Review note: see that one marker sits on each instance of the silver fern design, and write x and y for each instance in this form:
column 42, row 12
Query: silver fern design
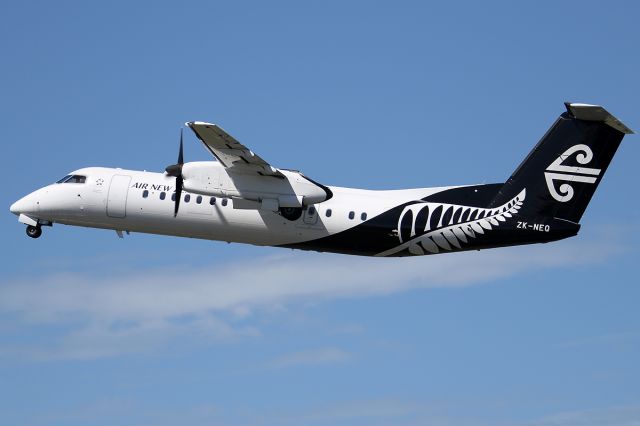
column 425, row 228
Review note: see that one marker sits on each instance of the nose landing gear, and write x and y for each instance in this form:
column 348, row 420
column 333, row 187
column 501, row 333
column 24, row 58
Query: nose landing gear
column 34, row 231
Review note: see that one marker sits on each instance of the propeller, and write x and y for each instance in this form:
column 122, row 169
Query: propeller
column 175, row 170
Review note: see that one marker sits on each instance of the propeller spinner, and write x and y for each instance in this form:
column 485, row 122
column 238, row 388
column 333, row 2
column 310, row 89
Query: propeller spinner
column 175, row 170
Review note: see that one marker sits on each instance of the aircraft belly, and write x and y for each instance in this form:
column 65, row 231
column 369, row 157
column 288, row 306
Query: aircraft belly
column 223, row 224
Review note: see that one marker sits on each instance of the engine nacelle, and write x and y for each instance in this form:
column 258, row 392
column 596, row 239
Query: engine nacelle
column 203, row 177
column 259, row 192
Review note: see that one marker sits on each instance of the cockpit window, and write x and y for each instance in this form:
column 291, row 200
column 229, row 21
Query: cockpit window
column 73, row 179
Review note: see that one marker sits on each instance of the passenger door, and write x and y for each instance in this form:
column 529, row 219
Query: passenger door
column 117, row 198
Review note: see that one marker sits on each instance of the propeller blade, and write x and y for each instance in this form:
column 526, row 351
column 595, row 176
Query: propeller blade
column 178, row 195
column 175, row 170
column 180, row 158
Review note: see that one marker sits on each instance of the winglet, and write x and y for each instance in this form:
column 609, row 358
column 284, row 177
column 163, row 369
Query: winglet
column 596, row 113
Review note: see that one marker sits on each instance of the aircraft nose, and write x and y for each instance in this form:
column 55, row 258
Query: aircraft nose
column 24, row 205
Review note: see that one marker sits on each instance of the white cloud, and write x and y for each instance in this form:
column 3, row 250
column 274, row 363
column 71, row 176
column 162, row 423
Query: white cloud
column 104, row 314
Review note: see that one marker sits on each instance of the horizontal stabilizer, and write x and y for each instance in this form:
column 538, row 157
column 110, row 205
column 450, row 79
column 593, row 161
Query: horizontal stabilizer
column 596, row 113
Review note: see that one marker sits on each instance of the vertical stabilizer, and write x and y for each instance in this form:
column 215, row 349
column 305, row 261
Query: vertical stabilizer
column 564, row 169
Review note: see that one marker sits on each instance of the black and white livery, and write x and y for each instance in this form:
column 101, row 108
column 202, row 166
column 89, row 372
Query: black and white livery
column 242, row 198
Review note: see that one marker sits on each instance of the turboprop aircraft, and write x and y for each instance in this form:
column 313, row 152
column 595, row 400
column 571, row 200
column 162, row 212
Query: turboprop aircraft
column 242, row 198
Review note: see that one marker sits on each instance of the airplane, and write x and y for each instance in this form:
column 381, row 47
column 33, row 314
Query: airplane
column 241, row 198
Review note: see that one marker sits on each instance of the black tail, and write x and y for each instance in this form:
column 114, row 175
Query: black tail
column 563, row 171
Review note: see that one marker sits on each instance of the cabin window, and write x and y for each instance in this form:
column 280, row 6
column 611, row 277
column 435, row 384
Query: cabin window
column 328, row 213
column 163, row 195
column 145, row 193
column 352, row 215
column 199, row 199
column 363, row 216
column 212, row 201
column 73, row 179
column 173, row 196
column 187, row 198
column 311, row 211
column 224, row 201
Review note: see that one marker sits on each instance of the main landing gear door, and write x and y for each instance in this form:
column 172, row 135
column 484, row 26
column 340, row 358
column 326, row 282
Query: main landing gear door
column 117, row 198
column 310, row 216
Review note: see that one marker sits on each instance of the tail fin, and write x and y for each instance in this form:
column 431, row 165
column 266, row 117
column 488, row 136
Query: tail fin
column 562, row 172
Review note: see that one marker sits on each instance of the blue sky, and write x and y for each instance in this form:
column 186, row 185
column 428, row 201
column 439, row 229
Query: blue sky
column 95, row 330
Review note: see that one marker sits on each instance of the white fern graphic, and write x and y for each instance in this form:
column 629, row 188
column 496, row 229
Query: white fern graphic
column 425, row 228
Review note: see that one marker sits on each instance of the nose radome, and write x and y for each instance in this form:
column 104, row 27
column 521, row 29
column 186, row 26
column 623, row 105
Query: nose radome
column 24, row 205
column 15, row 208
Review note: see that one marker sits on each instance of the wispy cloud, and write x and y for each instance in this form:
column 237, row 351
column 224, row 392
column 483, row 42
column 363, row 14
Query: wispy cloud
column 412, row 413
column 310, row 357
column 103, row 314
column 376, row 412
column 609, row 339
column 624, row 415
column 382, row 411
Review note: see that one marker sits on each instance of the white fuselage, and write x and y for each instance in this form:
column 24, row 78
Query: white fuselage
column 129, row 200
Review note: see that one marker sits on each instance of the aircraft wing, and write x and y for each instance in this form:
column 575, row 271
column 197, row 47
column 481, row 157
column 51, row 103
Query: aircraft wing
column 230, row 153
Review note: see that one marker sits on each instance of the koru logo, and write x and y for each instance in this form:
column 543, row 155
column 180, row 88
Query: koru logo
column 558, row 171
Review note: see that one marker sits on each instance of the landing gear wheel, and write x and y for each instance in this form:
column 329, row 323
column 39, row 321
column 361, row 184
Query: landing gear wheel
column 291, row 213
column 34, row 231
